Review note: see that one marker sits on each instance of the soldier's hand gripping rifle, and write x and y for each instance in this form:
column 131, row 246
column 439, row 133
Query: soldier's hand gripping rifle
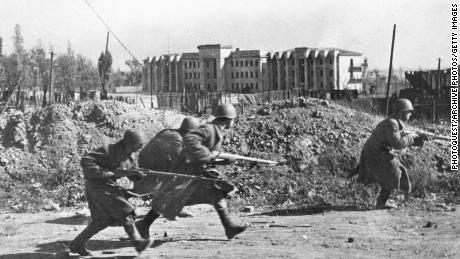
column 424, row 136
column 231, row 157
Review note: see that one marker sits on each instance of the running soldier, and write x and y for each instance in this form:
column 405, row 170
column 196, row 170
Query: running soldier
column 378, row 164
column 107, row 201
column 201, row 147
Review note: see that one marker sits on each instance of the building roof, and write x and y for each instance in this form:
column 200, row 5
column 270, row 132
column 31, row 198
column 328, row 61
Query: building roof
column 244, row 53
column 190, row 55
column 214, row 46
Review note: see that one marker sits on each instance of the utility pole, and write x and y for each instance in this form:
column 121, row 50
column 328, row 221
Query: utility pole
column 104, row 91
column 438, row 87
column 51, row 80
column 389, row 72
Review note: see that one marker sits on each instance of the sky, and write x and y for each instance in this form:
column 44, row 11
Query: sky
column 155, row 27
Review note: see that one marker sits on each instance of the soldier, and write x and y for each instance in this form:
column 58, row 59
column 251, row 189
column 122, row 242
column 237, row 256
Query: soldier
column 107, row 200
column 378, row 164
column 159, row 155
column 201, row 148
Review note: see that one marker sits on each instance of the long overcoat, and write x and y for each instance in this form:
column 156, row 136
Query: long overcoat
column 106, row 199
column 158, row 155
column 193, row 160
column 378, row 164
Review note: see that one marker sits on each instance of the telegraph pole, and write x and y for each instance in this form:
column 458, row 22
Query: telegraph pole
column 51, row 79
column 104, row 91
column 389, row 72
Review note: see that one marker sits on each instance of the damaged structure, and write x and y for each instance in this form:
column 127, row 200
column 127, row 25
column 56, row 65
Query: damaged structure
column 218, row 68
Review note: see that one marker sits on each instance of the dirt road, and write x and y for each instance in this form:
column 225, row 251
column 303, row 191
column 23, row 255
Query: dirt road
column 403, row 233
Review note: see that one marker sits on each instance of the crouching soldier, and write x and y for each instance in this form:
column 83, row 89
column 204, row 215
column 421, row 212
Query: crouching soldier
column 201, row 147
column 378, row 164
column 159, row 155
column 108, row 202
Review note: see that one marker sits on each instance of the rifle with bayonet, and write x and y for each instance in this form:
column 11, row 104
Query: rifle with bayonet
column 141, row 172
column 228, row 156
column 429, row 135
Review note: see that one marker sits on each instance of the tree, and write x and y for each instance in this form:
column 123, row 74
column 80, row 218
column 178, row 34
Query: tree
column 105, row 68
column 65, row 71
column 86, row 74
column 135, row 74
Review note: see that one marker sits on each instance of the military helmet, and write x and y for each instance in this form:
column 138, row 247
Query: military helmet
column 402, row 105
column 226, row 110
column 133, row 138
column 190, row 123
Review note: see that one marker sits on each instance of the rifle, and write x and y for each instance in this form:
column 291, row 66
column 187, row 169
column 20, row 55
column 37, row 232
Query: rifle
column 131, row 172
column 245, row 158
column 430, row 135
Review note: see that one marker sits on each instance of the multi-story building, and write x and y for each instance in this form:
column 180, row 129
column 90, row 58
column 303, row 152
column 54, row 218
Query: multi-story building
column 217, row 68
column 243, row 71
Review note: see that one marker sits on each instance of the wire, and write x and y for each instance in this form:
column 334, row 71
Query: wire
column 111, row 31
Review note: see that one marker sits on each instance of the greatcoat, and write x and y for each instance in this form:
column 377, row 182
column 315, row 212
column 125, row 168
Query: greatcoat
column 378, row 163
column 106, row 199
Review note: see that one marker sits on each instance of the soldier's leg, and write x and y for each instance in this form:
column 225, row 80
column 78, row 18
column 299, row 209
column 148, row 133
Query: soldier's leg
column 383, row 198
column 144, row 224
column 78, row 245
column 231, row 229
column 139, row 243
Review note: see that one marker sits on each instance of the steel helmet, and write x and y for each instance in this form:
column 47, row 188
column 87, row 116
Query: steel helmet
column 403, row 104
column 190, row 123
column 226, row 110
column 133, row 138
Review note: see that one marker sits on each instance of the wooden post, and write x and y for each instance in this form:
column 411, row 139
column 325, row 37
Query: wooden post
column 438, row 88
column 51, row 80
column 389, row 72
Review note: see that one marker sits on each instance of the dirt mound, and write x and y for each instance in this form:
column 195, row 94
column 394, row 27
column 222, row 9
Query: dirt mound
column 40, row 151
column 321, row 143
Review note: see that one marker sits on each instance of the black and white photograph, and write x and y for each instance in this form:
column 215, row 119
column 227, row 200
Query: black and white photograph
column 229, row 129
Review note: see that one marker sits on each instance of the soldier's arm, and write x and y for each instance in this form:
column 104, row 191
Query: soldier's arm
column 396, row 138
column 91, row 169
column 193, row 144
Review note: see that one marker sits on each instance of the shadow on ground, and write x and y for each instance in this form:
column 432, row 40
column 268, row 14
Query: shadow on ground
column 59, row 249
column 72, row 220
column 311, row 210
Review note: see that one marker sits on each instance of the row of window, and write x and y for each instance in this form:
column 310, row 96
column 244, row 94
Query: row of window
column 192, row 64
column 246, row 63
column 236, row 86
column 310, row 61
column 243, row 74
column 194, row 75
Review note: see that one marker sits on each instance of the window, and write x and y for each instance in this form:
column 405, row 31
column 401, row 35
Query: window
column 246, row 63
column 247, row 74
column 215, row 86
column 232, row 74
column 185, row 64
column 252, row 86
column 198, row 64
column 321, row 73
column 198, row 75
column 233, row 86
column 252, row 74
column 257, row 85
column 241, row 74
column 207, row 74
column 207, row 64
column 292, row 62
column 237, row 74
column 237, row 86
column 185, row 75
column 331, row 73
column 232, row 63
column 209, row 87
column 257, row 63
column 331, row 61
column 250, row 63
column 236, row 63
column 241, row 63
column 257, row 74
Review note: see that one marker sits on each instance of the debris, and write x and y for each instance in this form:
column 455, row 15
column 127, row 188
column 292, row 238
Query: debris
column 351, row 240
column 278, row 226
column 429, row 224
column 165, row 234
column 248, row 209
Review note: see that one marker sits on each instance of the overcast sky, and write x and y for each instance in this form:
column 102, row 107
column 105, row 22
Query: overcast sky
column 151, row 27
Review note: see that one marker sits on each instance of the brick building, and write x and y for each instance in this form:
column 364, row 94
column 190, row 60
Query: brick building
column 217, row 68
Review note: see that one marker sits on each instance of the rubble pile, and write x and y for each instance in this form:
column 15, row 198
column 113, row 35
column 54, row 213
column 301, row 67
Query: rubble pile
column 40, row 151
column 320, row 143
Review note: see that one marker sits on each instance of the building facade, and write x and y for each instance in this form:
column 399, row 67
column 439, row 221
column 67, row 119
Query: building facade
column 219, row 68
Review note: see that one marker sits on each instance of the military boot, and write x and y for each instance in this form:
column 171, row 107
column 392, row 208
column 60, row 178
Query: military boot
column 78, row 245
column 382, row 200
column 139, row 243
column 143, row 225
column 231, row 229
